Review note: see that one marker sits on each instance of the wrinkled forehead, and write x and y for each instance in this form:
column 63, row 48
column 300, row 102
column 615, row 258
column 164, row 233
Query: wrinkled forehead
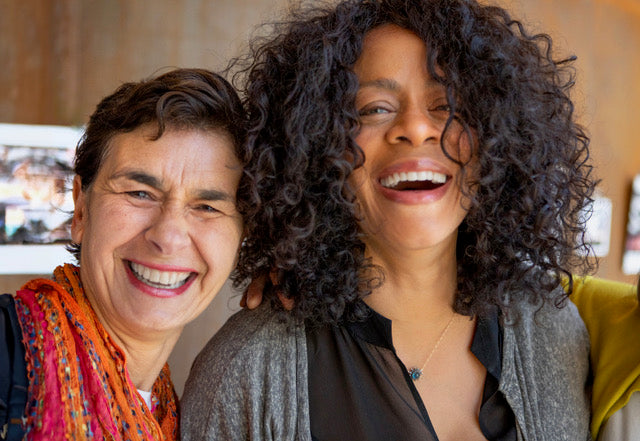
column 150, row 132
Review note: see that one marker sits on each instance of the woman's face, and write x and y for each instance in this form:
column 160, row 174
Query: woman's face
column 408, row 190
column 159, row 228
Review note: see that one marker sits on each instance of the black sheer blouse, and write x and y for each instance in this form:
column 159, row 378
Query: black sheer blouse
column 360, row 390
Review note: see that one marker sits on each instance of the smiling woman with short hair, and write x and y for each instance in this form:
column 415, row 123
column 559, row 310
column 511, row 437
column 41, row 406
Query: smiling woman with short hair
column 156, row 232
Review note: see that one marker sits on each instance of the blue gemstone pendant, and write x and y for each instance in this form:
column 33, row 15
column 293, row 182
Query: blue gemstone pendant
column 415, row 373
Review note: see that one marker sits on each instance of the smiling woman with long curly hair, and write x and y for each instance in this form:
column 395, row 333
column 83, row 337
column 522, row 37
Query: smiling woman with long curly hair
column 414, row 182
column 502, row 83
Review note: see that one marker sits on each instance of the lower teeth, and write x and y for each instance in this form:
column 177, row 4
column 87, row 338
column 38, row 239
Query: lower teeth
column 159, row 285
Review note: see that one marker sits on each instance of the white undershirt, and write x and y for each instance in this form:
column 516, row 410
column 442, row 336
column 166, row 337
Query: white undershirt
column 146, row 396
column 625, row 423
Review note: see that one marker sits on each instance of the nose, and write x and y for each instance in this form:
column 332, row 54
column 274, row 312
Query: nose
column 416, row 127
column 168, row 231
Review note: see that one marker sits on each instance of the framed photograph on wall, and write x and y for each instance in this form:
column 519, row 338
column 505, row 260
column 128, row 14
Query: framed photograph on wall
column 35, row 197
column 631, row 256
column 598, row 216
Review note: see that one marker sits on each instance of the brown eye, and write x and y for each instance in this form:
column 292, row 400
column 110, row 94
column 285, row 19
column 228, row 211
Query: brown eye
column 373, row 111
column 207, row 208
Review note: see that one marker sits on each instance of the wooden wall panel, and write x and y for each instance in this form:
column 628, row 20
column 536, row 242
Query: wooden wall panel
column 60, row 57
column 605, row 35
column 37, row 46
column 616, row 86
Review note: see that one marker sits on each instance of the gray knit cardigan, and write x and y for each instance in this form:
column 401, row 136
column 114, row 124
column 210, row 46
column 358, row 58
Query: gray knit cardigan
column 250, row 381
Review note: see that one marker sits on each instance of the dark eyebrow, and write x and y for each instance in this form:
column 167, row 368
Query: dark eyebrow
column 215, row 195
column 381, row 83
column 152, row 181
column 392, row 85
column 138, row 176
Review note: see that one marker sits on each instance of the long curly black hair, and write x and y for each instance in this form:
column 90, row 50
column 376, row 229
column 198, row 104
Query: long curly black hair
column 503, row 83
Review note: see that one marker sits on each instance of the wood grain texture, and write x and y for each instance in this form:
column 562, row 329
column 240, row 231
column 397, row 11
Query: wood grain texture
column 60, row 57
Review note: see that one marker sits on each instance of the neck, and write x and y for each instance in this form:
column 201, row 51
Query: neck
column 145, row 359
column 417, row 286
column 145, row 353
column 146, row 350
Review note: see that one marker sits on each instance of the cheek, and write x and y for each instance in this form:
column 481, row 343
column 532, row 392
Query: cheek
column 357, row 179
column 365, row 140
column 220, row 245
column 469, row 157
column 468, row 148
column 363, row 188
column 110, row 226
column 461, row 144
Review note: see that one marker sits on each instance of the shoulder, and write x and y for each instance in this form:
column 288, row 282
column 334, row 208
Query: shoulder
column 548, row 337
column 545, row 370
column 601, row 302
column 13, row 369
column 248, row 337
column 10, row 334
column 612, row 315
column 7, row 340
column 543, row 323
column 251, row 374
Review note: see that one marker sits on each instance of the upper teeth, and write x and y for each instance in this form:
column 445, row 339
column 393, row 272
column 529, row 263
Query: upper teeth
column 392, row 180
column 159, row 279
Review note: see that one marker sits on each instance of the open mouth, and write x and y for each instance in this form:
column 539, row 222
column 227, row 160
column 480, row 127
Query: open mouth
column 159, row 279
column 416, row 181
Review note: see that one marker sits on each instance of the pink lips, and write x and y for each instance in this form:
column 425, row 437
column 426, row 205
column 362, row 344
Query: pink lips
column 159, row 292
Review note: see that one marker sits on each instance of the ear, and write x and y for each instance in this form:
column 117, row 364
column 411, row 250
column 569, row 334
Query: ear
column 79, row 211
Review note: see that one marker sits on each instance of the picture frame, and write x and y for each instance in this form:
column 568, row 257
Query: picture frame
column 631, row 255
column 35, row 197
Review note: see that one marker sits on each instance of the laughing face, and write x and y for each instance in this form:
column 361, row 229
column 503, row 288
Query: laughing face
column 159, row 228
column 408, row 190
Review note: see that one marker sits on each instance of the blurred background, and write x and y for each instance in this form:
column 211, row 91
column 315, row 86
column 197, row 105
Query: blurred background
column 60, row 57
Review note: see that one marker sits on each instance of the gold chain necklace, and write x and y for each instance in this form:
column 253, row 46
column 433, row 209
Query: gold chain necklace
column 415, row 373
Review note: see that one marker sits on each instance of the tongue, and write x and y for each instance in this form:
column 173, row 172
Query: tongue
column 416, row 185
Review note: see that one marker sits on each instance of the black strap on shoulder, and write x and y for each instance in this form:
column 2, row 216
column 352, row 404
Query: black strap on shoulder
column 13, row 372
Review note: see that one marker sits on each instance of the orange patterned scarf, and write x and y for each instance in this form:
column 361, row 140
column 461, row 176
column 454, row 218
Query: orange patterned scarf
column 79, row 387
